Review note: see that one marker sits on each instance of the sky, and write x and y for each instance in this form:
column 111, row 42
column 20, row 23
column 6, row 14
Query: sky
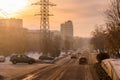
column 84, row 14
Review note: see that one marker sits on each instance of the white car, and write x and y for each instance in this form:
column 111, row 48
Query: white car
column 2, row 59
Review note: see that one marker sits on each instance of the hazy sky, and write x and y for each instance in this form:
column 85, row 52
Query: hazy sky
column 85, row 14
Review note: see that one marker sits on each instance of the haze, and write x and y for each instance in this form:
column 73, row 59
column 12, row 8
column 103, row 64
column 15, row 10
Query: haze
column 85, row 14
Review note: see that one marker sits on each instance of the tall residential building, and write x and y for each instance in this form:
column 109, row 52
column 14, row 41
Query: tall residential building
column 67, row 34
column 67, row 29
column 17, row 23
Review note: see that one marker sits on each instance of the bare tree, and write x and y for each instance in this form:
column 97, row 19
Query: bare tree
column 98, row 39
column 113, row 25
column 113, row 13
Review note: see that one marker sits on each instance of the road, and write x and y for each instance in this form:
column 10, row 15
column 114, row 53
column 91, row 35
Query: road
column 67, row 69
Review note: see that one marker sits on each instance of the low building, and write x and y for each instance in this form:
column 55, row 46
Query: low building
column 12, row 22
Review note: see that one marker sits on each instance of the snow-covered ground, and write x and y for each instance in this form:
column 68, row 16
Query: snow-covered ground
column 9, row 70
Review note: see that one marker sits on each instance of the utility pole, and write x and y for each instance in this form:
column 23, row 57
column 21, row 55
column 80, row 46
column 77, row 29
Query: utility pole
column 44, row 24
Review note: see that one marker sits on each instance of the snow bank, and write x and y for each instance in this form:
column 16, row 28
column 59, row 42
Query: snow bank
column 35, row 55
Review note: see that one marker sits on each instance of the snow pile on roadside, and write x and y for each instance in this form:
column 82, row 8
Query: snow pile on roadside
column 63, row 54
column 35, row 55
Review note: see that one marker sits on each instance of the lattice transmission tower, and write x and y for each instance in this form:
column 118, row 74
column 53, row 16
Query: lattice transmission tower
column 45, row 34
column 44, row 14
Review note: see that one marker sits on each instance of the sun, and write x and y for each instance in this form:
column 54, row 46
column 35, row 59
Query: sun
column 12, row 6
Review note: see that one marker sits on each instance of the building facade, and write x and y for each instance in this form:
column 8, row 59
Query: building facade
column 67, row 35
column 17, row 23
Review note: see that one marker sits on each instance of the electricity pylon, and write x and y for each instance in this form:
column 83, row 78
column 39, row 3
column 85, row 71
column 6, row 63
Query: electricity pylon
column 44, row 13
column 44, row 23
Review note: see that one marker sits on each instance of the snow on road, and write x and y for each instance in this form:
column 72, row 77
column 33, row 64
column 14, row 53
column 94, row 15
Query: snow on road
column 9, row 70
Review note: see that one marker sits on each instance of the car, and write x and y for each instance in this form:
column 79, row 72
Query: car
column 83, row 60
column 22, row 59
column 73, row 56
column 2, row 59
column 46, row 59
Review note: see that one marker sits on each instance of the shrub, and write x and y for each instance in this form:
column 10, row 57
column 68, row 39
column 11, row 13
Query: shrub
column 102, row 56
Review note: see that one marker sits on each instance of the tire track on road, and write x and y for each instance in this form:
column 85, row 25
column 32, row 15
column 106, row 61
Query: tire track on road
column 43, row 72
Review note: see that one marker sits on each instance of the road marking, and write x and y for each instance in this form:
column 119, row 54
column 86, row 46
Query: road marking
column 88, row 74
column 57, row 75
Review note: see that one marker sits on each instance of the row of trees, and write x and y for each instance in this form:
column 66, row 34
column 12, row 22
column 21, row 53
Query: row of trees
column 107, row 37
column 20, row 40
column 50, row 44
column 13, row 40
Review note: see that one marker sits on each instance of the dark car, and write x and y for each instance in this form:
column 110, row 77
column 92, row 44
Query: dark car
column 83, row 60
column 21, row 59
column 2, row 59
column 73, row 56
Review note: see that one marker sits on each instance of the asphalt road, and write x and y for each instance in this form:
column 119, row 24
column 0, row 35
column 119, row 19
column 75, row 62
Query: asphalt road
column 74, row 72
column 68, row 69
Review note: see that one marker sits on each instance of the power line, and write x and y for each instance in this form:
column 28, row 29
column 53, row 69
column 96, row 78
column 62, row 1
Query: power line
column 4, row 13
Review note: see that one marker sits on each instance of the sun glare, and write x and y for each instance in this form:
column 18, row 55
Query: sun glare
column 13, row 6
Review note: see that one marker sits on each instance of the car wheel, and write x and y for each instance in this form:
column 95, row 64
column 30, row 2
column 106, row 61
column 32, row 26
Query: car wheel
column 30, row 62
column 14, row 62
